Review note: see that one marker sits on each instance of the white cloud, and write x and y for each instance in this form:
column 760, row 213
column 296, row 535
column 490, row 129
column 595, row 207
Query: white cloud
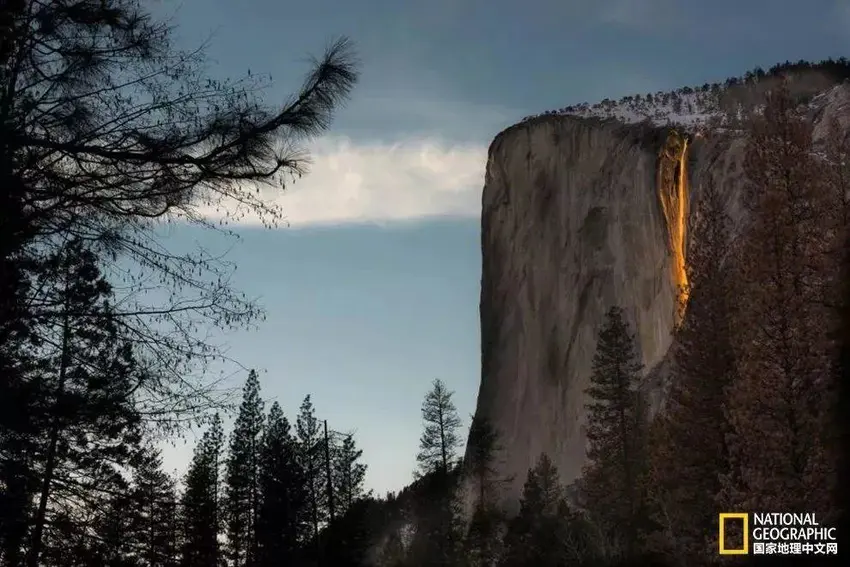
column 372, row 182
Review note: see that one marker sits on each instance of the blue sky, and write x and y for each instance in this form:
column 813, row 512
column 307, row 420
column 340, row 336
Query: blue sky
column 371, row 291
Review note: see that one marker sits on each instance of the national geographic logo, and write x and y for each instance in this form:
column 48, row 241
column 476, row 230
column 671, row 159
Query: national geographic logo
column 745, row 518
column 777, row 533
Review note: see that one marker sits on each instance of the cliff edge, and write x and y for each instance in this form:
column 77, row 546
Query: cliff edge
column 581, row 213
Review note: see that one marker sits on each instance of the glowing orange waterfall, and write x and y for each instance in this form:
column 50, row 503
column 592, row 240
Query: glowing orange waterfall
column 673, row 193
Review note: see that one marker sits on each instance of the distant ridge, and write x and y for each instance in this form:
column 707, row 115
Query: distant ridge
column 712, row 105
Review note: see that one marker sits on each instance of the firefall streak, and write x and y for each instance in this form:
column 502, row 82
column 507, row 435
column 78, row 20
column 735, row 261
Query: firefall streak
column 681, row 236
column 673, row 193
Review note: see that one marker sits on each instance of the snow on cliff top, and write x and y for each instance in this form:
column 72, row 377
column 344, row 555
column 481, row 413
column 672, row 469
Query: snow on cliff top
column 688, row 108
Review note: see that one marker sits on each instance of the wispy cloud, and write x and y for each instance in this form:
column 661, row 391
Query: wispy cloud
column 407, row 147
column 372, row 182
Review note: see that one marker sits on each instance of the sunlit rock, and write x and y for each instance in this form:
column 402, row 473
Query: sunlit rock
column 581, row 212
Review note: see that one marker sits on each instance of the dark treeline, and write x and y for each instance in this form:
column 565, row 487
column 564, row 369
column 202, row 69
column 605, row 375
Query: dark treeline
column 107, row 131
column 277, row 493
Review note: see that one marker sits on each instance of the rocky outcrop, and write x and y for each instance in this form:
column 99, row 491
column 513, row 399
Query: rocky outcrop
column 580, row 214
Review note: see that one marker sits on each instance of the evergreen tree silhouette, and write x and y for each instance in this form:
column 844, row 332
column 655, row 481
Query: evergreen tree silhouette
column 200, row 507
column 439, row 536
column 538, row 534
column 242, row 480
column 481, row 468
column 613, row 478
column 152, row 512
column 86, row 383
column 349, row 473
column 283, row 496
column 440, row 439
column 311, row 454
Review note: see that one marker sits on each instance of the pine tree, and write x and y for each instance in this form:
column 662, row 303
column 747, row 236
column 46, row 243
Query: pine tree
column 436, row 512
column 613, row 478
column 80, row 530
column 113, row 528
column 283, row 495
column 480, row 469
column 152, row 512
column 440, row 440
column 480, row 466
column 481, row 544
column 689, row 438
column 310, row 439
column 349, row 474
column 200, row 507
column 351, row 540
column 242, row 482
column 539, row 533
column 779, row 440
column 328, row 469
column 439, row 531
column 87, row 381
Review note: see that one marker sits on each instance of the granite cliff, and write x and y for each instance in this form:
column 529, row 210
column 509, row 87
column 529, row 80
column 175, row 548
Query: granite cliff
column 585, row 208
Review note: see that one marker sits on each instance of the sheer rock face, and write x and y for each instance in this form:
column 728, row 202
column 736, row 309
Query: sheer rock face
column 573, row 223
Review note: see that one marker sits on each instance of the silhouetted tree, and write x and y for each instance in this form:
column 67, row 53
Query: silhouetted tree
column 440, row 440
column 539, row 534
column 200, row 507
column 351, row 540
column 780, row 434
column 86, row 383
column 481, row 470
column 283, row 495
column 349, row 473
column 439, row 535
column 20, row 430
column 152, row 513
column 311, row 453
column 113, row 526
column 242, row 480
column 615, row 422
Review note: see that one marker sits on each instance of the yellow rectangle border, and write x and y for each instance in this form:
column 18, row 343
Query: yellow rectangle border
column 722, row 535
